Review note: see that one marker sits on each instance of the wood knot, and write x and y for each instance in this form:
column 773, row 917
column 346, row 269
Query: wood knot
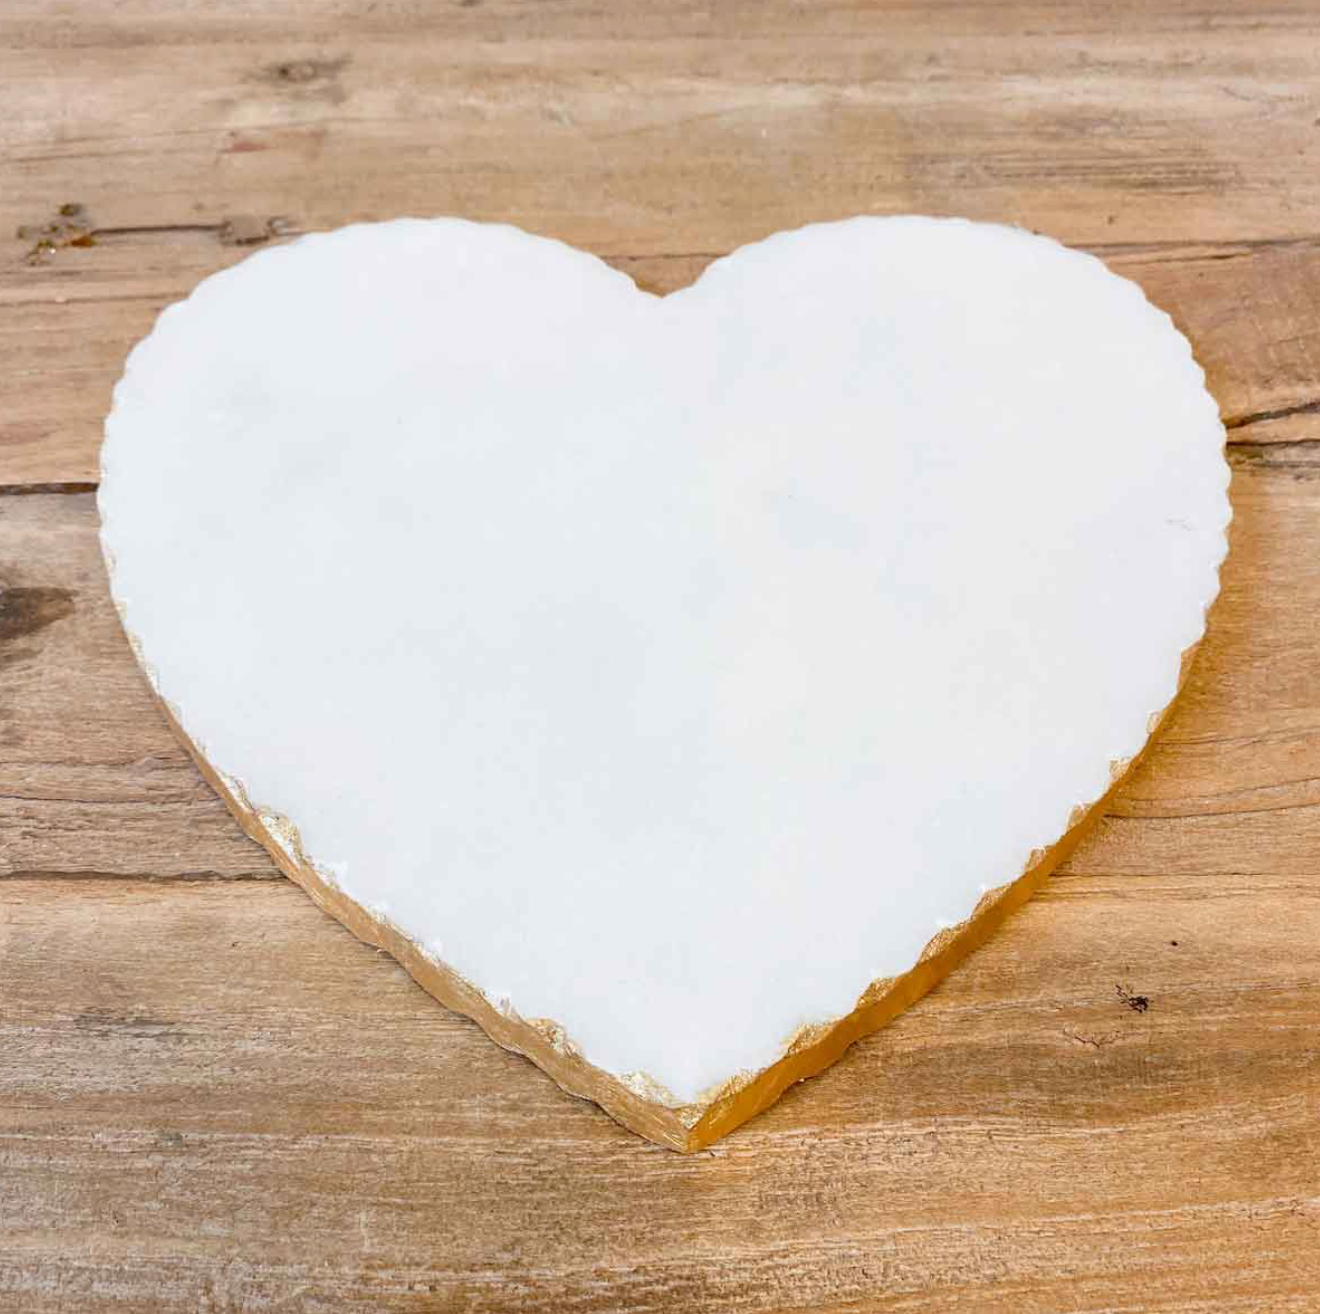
column 300, row 70
column 319, row 76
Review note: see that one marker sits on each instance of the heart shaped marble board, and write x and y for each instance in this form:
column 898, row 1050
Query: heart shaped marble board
column 677, row 686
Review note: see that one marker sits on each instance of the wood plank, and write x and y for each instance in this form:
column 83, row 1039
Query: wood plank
column 658, row 142
column 259, row 1108
column 717, row 123
column 91, row 780
column 66, row 327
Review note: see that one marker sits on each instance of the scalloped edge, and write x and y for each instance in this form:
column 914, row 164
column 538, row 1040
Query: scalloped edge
column 636, row 1100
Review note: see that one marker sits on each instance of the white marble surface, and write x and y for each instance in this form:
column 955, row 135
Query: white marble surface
column 669, row 668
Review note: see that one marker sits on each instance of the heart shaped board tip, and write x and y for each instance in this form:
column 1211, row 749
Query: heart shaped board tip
column 677, row 686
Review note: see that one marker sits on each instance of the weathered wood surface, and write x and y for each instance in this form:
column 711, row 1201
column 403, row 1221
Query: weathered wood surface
column 212, row 1098
column 65, row 329
column 635, row 132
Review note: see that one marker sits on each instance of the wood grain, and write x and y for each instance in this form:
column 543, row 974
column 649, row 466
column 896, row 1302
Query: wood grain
column 212, row 1098
column 686, row 127
column 256, row 1064
column 655, row 142
column 260, row 1108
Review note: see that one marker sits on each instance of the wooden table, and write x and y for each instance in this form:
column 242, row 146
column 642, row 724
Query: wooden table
column 212, row 1098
